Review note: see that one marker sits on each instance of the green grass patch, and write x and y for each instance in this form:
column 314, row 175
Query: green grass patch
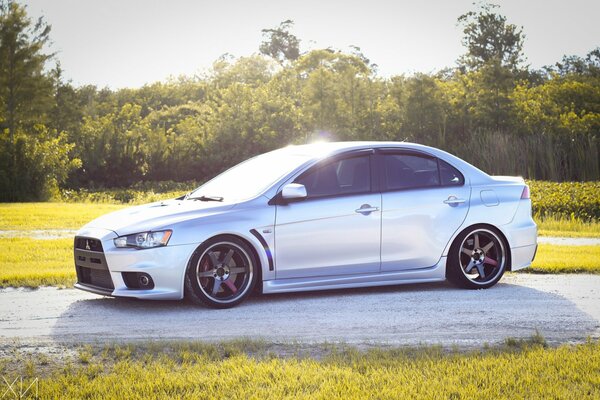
column 553, row 259
column 32, row 263
column 192, row 371
column 31, row 216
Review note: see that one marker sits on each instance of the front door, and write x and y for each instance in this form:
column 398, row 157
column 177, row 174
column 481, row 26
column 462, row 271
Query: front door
column 336, row 230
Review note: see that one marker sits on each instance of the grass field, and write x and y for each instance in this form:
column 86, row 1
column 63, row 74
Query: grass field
column 30, row 216
column 32, row 262
column 519, row 370
column 552, row 259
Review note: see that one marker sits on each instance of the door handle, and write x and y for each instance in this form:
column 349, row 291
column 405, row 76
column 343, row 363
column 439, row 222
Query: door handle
column 453, row 201
column 366, row 209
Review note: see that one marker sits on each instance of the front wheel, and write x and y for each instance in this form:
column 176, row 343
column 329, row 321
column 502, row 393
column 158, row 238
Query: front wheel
column 222, row 273
column 477, row 258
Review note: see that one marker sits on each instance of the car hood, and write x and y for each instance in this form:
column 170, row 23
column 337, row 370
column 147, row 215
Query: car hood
column 156, row 216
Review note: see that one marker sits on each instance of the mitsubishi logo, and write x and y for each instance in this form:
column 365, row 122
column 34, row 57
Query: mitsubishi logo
column 87, row 245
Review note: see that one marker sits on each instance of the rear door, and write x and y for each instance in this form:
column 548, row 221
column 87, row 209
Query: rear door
column 424, row 201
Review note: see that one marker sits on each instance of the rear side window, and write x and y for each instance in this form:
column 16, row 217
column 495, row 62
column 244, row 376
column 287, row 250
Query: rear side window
column 345, row 176
column 403, row 171
column 449, row 175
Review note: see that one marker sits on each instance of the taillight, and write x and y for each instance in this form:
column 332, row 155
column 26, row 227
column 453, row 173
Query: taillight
column 525, row 194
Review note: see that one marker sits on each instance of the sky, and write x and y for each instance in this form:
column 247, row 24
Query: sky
column 129, row 43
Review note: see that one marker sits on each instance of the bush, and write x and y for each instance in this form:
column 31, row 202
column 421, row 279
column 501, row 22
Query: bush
column 34, row 166
column 138, row 193
column 573, row 200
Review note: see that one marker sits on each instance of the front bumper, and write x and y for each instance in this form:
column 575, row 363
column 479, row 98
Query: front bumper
column 102, row 272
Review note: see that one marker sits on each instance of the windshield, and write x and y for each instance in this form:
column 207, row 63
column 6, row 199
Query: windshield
column 251, row 177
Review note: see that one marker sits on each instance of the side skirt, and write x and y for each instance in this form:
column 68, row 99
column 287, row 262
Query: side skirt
column 436, row 273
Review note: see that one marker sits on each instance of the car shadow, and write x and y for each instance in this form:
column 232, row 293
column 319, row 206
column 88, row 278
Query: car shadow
column 401, row 314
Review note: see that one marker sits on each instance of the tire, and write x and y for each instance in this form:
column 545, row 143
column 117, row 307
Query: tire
column 477, row 258
column 221, row 273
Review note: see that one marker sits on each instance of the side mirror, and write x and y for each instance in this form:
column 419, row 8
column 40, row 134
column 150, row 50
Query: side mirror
column 293, row 191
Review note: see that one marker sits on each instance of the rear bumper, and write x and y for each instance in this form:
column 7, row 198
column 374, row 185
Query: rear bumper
column 521, row 234
column 522, row 257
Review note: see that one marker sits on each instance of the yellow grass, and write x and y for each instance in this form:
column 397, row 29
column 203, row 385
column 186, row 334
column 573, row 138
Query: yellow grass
column 532, row 372
column 567, row 227
column 33, row 263
column 569, row 259
column 30, row 216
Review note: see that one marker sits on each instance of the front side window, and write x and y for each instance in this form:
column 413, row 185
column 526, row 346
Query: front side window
column 345, row 176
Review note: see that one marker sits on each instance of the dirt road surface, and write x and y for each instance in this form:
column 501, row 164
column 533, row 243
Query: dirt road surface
column 563, row 308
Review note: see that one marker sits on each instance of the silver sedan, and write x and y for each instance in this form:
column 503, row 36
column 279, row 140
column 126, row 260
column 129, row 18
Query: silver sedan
column 315, row 217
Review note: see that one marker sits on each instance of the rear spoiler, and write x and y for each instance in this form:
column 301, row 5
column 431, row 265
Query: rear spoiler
column 513, row 179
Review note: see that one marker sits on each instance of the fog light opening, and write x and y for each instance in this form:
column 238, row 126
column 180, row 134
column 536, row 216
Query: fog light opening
column 138, row 280
column 144, row 281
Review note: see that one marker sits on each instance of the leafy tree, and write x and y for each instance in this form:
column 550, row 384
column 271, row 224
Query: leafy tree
column 561, row 106
column 25, row 91
column 494, row 57
column 280, row 44
column 43, row 161
column 489, row 39
column 575, row 65
column 66, row 113
column 424, row 109
column 191, row 128
column 34, row 159
column 254, row 71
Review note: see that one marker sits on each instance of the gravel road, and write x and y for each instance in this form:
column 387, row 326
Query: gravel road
column 564, row 241
column 563, row 308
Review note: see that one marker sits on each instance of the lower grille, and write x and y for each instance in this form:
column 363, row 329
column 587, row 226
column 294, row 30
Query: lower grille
column 95, row 277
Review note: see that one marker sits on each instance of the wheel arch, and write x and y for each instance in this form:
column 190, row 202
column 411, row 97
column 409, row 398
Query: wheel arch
column 247, row 241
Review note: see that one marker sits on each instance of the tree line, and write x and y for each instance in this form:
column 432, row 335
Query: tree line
column 491, row 109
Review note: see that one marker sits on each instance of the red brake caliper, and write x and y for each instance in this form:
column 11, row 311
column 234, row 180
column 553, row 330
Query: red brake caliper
column 230, row 285
column 205, row 267
column 490, row 261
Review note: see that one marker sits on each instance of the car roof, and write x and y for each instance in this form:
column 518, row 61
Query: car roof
column 320, row 150
column 325, row 148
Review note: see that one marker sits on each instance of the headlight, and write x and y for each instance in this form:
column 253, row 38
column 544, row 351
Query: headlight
column 144, row 240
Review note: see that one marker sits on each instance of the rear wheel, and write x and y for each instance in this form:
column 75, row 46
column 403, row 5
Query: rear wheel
column 477, row 258
column 222, row 273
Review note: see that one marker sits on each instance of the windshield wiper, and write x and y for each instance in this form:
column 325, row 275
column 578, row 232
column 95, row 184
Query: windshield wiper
column 206, row 198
